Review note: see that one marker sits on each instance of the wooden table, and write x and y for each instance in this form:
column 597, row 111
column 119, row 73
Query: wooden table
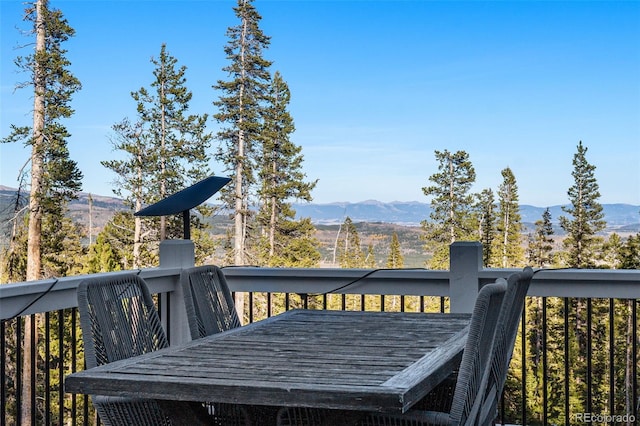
column 374, row 361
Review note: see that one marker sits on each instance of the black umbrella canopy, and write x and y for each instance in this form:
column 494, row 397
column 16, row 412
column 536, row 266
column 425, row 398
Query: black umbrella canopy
column 185, row 200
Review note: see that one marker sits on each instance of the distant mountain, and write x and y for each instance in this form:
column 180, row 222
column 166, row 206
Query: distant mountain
column 619, row 217
column 398, row 212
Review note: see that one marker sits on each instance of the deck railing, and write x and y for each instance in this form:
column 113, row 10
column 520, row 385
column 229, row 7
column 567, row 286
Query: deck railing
column 579, row 333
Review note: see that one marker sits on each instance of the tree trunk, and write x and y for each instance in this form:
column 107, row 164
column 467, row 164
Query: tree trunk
column 163, row 161
column 137, row 221
column 34, row 261
column 239, row 219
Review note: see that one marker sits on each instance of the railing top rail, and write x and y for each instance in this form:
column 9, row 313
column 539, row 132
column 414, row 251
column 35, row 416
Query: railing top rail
column 25, row 298
column 49, row 295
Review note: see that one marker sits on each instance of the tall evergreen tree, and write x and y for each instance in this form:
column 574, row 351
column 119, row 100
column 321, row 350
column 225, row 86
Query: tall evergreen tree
column 55, row 178
column 132, row 181
column 165, row 151
column 102, row 257
column 179, row 139
column 281, row 176
column 586, row 211
column 486, row 223
column 581, row 242
column 610, row 252
column 240, row 110
column 395, row 259
column 350, row 253
column 451, row 204
column 541, row 243
column 630, row 253
column 507, row 249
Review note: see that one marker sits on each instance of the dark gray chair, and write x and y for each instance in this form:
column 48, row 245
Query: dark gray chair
column 208, row 300
column 517, row 288
column 119, row 320
column 472, row 377
column 210, row 310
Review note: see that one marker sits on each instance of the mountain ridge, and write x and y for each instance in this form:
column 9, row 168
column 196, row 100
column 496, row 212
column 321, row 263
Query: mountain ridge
column 619, row 216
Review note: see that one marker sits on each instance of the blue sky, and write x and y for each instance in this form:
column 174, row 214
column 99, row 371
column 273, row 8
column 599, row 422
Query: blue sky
column 377, row 87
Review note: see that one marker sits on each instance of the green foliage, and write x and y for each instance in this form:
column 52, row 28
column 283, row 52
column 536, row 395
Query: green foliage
column 14, row 257
column 179, row 139
column 55, row 178
column 281, row 180
column 506, row 248
column 451, row 203
column 588, row 217
column 395, row 259
column 102, row 257
column 610, row 252
column 350, row 253
column 240, row 112
column 62, row 250
column 130, row 182
column 485, row 209
column 175, row 141
column 165, row 151
column 296, row 246
column 630, row 253
column 540, row 243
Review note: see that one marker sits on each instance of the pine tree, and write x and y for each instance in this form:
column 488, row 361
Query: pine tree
column 165, row 151
column 395, row 259
column 102, row 257
column 451, row 204
column 506, row 248
column 350, row 253
column 281, row 178
column 55, row 178
column 178, row 139
column 541, row 243
column 486, row 223
column 370, row 258
column 581, row 241
column 132, row 180
column 588, row 217
column 610, row 252
column 240, row 110
column 630, row 253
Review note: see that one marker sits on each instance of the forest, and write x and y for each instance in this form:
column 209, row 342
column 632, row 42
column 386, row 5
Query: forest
column 163, row 147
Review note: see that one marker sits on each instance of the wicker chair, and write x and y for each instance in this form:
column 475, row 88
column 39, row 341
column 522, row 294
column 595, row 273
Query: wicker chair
column 210, row 310
column 472, row 377
column 517, row 288
column 119, row 321
column 210, row 307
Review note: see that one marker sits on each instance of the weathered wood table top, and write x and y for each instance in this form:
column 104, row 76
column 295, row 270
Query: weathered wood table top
column 375, row 361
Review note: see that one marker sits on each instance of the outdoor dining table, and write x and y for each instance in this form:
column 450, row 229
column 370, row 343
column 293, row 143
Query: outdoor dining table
column 347, row 360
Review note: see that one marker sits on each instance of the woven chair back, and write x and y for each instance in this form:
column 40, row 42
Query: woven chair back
column 118, row 319
column 208, row 301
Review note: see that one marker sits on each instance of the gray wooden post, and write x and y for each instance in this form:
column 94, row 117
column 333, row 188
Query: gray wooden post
column 177, row 254
column 464, row 284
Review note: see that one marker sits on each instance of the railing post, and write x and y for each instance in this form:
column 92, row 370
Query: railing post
column 177, row 253
column 465, row 264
